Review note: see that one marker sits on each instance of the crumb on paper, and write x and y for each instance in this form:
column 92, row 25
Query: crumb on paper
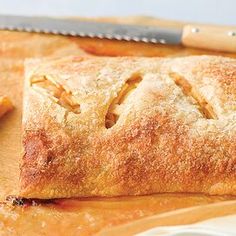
column 5, row 105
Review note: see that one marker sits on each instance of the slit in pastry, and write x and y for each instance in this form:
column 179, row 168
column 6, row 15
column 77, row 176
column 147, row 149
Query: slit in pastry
column 63, row 96
column 204, row 107
column 116, row 106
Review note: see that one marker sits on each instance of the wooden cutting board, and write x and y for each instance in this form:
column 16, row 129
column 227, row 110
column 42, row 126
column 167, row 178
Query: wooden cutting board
column 74, row 216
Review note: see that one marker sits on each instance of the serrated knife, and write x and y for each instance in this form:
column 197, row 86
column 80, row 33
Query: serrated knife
column 217, row 38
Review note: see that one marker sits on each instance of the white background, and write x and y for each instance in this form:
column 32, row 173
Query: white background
column 208, row 11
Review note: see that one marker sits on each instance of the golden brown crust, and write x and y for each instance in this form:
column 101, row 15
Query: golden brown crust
column 172, row 130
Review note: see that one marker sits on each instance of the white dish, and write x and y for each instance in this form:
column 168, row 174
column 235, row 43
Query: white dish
column 221, row 226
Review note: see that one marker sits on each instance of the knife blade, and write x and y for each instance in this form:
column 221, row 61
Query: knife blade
column 217, row 38
column 75, row 27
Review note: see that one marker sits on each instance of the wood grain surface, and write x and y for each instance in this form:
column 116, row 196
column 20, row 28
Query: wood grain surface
column 78, row 216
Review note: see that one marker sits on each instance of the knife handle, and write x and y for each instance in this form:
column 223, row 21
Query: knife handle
column 217, row 38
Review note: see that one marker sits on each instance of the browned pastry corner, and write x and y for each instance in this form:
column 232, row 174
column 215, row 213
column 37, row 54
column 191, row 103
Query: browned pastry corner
column 129, row 126
column 5, row 105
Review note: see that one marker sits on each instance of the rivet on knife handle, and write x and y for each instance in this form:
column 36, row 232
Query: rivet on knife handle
column 217, row 38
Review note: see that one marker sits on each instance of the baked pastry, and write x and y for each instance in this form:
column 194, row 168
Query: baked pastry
column 129, row 126
column 5, row 105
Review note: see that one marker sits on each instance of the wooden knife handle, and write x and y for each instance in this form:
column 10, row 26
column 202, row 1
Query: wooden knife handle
column 217, row 38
